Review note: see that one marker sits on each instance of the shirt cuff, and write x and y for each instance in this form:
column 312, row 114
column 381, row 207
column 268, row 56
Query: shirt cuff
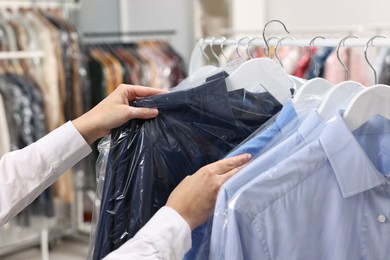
column 169, row 233
column 63, row 148
column 165, row 236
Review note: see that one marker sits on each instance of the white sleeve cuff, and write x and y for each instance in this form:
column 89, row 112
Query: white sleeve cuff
column 166, row 236
column 170, row 233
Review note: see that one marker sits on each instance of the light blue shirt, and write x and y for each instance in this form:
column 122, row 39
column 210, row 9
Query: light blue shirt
column 287, row 118
column 255, row 143
column 311, row 125
column 329, row 200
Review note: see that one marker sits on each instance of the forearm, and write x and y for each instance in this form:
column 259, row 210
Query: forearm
column 26, row 173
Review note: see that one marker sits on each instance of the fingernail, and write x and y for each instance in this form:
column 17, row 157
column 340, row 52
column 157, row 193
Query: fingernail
column 153, row 112
column 248, row 156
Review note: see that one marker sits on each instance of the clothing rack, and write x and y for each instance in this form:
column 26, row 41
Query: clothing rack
column 197, row 52
column 39, row 237
column 93, row 37
column 46, row 234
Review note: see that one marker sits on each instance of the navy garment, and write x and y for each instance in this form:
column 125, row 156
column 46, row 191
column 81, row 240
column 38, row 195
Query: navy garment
column 319, row 58
column 149, row 158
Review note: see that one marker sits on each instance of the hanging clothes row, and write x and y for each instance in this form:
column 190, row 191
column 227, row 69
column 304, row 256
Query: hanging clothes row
column 145, row 159
column 39, row 92
column 303, row 136
column 300, row 197
column 294, row 56
column 298, row 61
column 152, row 63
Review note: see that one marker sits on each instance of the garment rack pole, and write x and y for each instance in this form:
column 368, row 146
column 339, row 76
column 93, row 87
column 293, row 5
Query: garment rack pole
column 130, row 33
column 105, row 37
column 334, row 42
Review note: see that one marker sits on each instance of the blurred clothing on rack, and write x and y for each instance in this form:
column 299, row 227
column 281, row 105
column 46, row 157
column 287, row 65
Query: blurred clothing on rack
column 298, row 62
column 40, row 93
column 5, row 141
column 149, row 63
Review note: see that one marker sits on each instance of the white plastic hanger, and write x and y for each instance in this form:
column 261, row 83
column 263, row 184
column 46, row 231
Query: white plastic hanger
column 337, row 96
column 312, row 87
column 340, row 94
column 262, row 72
column 372, row 101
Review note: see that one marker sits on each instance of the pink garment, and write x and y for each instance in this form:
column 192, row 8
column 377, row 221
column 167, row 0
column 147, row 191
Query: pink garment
column 353, row 58
column 290, row 61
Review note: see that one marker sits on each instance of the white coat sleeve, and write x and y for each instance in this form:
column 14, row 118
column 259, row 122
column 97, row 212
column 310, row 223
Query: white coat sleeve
column 26, row 173
column 166, row 236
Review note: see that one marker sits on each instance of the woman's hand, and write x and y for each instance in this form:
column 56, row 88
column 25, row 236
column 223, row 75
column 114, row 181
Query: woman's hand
column 194, row 198
column 114, row 111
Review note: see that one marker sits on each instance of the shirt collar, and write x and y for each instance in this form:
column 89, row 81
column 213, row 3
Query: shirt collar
column 354, row 171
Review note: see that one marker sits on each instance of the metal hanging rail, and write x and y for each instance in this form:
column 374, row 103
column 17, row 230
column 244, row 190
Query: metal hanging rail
column 130, row 33
column 197, row 52
column 334, row 42
column 93, row 37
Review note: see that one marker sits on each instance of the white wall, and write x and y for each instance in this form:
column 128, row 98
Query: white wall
column 330, row 12
column 98, row 16
column 312, row 13
column 248, row 14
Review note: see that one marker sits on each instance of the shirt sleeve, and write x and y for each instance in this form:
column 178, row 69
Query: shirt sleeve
column 26, row 173
column 166, row 236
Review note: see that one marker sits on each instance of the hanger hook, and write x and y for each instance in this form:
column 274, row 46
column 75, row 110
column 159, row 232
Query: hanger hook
column 365, row 54
column 238, row 44
column 221, row 46
column 338, row 54
column 276, row 48
column 249, row 45
column 265, row 40
column 311, row 44
column 213, row 52
column 202, row 50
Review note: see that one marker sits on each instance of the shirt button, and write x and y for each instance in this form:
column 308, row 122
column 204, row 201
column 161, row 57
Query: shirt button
column 224, row 138
column 381, row 218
